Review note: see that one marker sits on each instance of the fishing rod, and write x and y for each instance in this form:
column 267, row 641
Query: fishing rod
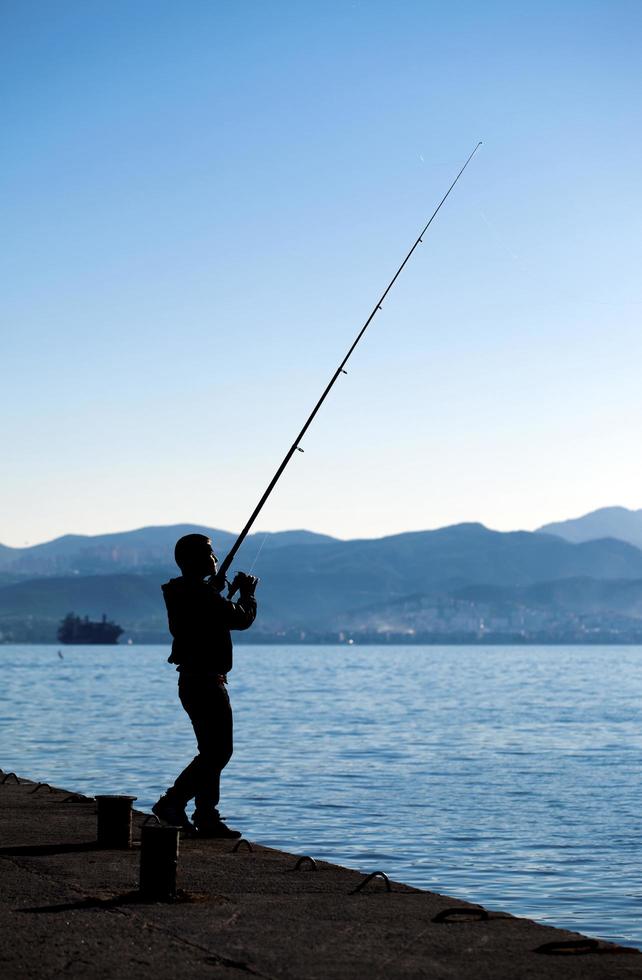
column 295, row 447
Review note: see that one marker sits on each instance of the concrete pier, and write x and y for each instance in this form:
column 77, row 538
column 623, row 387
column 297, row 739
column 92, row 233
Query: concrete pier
column 71, row 908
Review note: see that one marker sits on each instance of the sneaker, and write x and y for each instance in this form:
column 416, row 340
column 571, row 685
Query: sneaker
column 172, row 813
column 209, row 826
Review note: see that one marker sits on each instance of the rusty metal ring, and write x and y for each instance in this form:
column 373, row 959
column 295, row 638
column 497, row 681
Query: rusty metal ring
column 569, row 947
column 306, row 859
column 375, row 874
column 582, row 947
column 8, row 776
column 462, row 913
column 242, row 840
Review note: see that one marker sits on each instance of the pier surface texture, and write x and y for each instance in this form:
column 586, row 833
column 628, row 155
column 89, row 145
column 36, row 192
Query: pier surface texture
column 71, row 909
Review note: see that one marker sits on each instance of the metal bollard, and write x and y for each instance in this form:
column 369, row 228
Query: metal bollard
column 114, row 821
column 158, row 862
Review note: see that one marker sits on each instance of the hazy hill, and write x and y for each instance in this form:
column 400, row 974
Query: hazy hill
column 313, row 585
column 607, row 522
column 457, row 554
column 568, row 610
column 125, row 597
column 145, row 547
column 322, row 584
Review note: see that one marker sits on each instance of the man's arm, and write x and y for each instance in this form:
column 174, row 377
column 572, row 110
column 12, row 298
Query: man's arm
column 240, row 615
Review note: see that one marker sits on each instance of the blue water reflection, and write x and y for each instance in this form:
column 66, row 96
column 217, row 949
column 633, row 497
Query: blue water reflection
column 508, row 776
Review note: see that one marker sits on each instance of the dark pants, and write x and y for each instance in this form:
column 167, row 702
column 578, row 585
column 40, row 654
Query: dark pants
column 207, row 703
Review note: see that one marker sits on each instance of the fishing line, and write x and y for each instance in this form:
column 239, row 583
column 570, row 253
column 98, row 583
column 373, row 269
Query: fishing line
column 256, row 557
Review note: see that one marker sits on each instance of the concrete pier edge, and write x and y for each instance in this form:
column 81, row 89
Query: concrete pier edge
column 71, row 908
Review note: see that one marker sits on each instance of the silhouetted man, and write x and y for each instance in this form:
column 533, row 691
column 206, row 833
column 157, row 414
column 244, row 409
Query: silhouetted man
column 200, row 620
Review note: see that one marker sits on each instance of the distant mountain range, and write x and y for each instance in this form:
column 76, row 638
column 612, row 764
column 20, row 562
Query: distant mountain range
column 464, row 582
column 146, row 547
column 607, row 522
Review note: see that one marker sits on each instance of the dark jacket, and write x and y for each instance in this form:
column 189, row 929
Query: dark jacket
column 200, row 620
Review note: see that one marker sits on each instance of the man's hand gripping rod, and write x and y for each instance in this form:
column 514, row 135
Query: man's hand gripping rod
column 229, row 558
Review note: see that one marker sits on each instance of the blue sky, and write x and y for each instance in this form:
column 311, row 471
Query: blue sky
column 202, row 202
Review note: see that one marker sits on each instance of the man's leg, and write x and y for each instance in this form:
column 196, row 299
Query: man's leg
column 214, row 733
column 171, row 806
column 208, row 705
column 193, row 697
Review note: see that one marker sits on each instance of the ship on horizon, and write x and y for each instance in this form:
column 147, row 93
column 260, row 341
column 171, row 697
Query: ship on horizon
column 74, row 629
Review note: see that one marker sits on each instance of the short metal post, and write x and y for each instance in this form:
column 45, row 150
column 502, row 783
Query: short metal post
column 158, row 862
column 115, row 821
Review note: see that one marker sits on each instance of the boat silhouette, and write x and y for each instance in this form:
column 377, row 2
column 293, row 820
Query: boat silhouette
column 74, row 629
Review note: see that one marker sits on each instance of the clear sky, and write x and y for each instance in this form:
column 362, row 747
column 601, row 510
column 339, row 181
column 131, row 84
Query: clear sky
column 201, row 202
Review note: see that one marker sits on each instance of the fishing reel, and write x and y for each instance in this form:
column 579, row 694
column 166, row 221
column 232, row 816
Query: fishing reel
column 241, row 581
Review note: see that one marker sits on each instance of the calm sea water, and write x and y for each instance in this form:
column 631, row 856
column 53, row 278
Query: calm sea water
column 509, row 776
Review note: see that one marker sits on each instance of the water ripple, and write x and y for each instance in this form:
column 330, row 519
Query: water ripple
column 508, row 776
